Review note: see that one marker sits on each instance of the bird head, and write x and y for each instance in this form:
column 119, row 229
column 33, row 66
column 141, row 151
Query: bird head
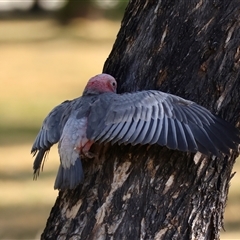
column 100, row 83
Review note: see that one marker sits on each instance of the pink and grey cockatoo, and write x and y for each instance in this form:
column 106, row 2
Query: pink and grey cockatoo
column 144, row 117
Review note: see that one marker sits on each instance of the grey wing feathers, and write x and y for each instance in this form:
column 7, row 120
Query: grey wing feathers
column 49, row 134
column 150, row 117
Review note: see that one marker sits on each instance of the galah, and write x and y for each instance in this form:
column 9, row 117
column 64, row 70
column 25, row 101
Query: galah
column 144, row 117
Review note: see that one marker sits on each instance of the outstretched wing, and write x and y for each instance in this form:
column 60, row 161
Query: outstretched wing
column 150, row 117
column 49, row 134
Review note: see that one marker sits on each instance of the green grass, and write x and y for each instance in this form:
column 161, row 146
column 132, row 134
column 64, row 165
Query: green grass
column 41, row 66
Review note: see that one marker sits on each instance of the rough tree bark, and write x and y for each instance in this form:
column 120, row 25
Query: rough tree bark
column 188, row 48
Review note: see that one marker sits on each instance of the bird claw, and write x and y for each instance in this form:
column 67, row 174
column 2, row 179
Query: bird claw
column 88, row 155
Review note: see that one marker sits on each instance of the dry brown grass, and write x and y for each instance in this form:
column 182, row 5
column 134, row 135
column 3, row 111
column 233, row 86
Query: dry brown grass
column 42, row 65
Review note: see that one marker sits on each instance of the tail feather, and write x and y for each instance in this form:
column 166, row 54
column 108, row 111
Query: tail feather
column 69, row 178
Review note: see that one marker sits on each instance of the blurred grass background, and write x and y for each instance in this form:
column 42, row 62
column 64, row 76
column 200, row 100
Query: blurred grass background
column 43, row 64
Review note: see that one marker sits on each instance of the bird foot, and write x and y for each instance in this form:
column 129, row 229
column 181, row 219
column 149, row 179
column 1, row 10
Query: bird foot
column 88, row 154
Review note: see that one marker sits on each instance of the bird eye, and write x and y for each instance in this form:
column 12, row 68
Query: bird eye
column 114, row 84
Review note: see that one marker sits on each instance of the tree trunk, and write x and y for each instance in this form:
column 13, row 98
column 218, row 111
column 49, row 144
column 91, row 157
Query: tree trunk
column 36, row 7
column 187, row 48
column 76, row 8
